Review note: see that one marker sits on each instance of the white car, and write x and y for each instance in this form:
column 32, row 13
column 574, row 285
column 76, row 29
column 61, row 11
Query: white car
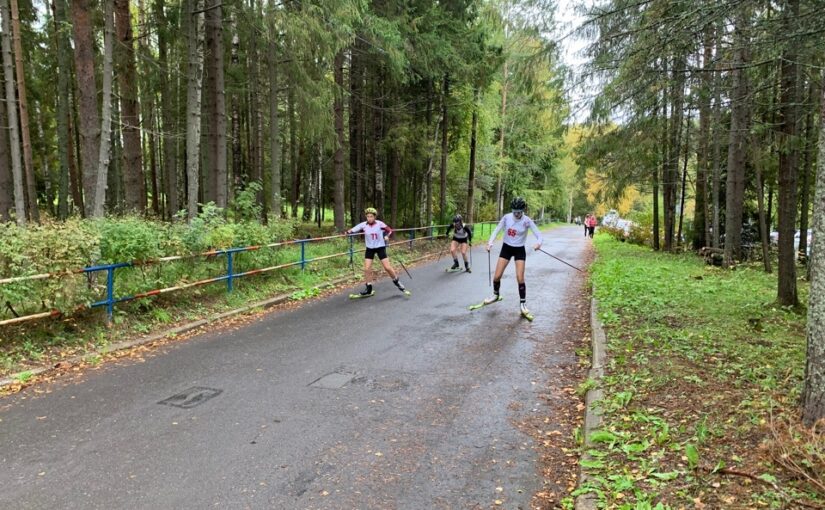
column 610, row 219
column 624, row 225
column 796, row 239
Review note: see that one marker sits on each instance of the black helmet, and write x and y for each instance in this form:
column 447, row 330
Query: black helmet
column 518, row 204
column 457, row 218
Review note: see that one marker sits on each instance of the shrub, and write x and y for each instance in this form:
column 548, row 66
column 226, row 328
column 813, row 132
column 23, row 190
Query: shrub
column 131, row 238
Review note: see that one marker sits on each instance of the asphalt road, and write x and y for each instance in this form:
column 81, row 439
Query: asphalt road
column 386, row 402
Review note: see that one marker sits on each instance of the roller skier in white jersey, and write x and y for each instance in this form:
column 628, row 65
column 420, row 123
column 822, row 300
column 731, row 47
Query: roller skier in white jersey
column 376, row 235
column 515, row 226
column 462, row 237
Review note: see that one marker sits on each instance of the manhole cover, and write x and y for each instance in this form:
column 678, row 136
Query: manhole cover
column 192, row 397
column 333, row 381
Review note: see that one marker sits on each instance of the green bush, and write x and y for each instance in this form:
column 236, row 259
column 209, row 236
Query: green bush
column 131, row 238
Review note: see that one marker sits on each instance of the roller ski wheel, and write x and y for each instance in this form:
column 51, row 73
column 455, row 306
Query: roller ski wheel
column 486, row 302
column 453, row 270
column 525, row 313
column 361, row 296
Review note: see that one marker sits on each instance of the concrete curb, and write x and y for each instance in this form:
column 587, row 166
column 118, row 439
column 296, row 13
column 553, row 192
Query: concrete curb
column 592, row 417
column 128, row 344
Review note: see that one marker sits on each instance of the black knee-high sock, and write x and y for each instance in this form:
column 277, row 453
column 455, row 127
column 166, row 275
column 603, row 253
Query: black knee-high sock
column 496, row 286
column 522, row 292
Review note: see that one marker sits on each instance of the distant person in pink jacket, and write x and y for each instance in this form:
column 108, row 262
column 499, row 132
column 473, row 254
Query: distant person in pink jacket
column 590, row 223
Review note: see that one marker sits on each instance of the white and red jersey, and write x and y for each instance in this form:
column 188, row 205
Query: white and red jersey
column 515, row 230
column 373, row 233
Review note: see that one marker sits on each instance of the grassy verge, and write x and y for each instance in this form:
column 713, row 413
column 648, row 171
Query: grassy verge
column 701, row 388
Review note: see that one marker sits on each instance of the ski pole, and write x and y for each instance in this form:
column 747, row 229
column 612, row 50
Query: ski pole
column 404, row 268
column 441, row 253
column 562, row 261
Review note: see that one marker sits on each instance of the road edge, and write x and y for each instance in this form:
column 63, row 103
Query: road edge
column 592, row 416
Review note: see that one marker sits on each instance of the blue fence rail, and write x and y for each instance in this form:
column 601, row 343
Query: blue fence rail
column 431, row 232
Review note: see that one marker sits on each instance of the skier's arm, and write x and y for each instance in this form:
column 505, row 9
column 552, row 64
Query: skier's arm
column 387, row 230
column 498, row 229
column 449, row 228
column 357, row 228
column 469, row 234
column 537, row 233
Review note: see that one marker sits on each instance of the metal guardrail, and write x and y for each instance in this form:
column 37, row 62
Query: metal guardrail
column 111, row 299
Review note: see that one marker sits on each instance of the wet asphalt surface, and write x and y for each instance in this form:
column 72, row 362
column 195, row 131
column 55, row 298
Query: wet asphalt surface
column 380, row 403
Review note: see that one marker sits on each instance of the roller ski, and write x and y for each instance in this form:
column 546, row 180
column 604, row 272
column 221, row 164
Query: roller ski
column 455, row 268
column 525, row 312
column 367, row 292
column 490, row 300
column 401, row 287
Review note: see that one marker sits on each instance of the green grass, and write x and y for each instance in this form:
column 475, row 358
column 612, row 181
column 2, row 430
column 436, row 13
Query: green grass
column 702, row 367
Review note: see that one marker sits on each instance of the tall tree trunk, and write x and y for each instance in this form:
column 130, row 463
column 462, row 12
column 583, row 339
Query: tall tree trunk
column 354, row 140
column 194, row 75
column 809, row 153
column 763, row 224
column 129, row 111
column 64, row 72
column 394, row 180
column 684, row 181
column 14, row 129
column 25, row 137
column 502, row 168
column 307, row 180
column 293, row 152
column 75, row 177
column 788, row 162
column 106, row 112
column 663, row 162
column 338, row 157
column 238, row 179
column 216, row 103
column 255, row 114
column 167, row 112
column 471, row 178
column 153, row 159
column 716, row 179
column 737, row 147
column 813, row 393
column 88, row 118
column 671, row 177
column 377, row 136
column 6, row 179
column 114, row 194
column 442, row 198
column 700, row 223
column 275, row 128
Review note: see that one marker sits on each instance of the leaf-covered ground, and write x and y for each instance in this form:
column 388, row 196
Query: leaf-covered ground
column 701, row 389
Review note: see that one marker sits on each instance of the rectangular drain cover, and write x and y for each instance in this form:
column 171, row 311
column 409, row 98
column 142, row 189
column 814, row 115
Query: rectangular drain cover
column 332, row 381
column 192, row 397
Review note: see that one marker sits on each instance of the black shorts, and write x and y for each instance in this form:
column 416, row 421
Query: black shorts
column 508, row 252
column 462, row 240
column 372, row 252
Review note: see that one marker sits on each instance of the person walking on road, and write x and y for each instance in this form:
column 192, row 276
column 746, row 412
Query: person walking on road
column 590, row 225
column 376, row 235
column 515, row 225
column 462, row 237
